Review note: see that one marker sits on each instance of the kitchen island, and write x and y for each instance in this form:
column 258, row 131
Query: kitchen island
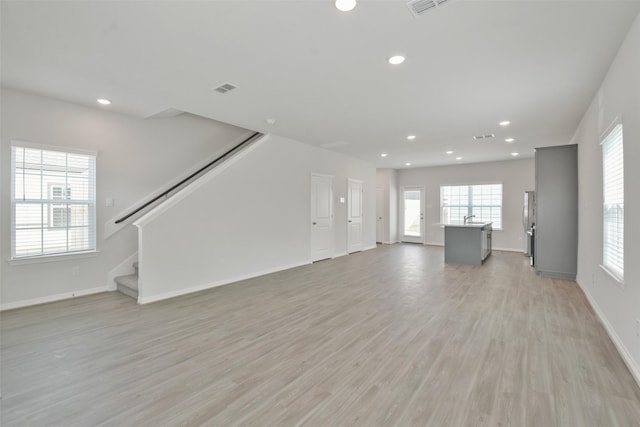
column 468, row 243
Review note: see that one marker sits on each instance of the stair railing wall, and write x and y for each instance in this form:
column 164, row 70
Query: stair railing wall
column 165, row 194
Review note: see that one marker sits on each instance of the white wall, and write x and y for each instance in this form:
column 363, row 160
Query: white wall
column 517, row 176
column 387, row 180
column 619, row 96
column 135, row 157
column 252, row 217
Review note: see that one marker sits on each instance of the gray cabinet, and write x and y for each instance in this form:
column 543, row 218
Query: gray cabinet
column 556, row 234
column 467, row 243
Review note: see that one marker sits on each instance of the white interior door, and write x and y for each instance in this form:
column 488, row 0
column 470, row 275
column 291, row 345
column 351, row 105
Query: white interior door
column 321, row 217
column 380, row 215
column 354, row 216
column 412, row 214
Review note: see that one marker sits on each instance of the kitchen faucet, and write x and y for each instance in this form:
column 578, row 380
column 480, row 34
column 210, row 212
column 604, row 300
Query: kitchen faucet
column 467, row 218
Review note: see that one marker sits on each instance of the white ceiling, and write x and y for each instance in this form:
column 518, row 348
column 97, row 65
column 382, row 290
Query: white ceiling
column 323, row 75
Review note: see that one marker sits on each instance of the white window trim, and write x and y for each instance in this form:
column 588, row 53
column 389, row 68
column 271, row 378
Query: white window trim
column 616, row 278
column 442, row 224
column 49, row 147
column 69, row 256
column 63, row 256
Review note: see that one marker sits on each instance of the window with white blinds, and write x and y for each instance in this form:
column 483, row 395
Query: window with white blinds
column 484, row 201
column 53, row 202
column 613, row 203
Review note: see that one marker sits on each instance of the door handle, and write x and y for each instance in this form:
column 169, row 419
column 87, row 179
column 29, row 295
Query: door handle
column 350, row 221
column 314, row 223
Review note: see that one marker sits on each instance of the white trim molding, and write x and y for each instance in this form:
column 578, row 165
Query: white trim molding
column 52, row 258
column 622, row 349
column 52, row 298
column 159, row 297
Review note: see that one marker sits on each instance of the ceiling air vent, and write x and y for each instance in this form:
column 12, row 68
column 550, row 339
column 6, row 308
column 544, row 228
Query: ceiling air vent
column 486, row 136
column 420, row 7
column 224, row 88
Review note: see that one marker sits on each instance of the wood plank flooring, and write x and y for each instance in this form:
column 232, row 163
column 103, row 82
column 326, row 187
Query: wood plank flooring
column 388, row 337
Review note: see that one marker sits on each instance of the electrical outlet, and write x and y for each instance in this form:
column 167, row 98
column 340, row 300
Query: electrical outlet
column 75, row 270
column 638, row 327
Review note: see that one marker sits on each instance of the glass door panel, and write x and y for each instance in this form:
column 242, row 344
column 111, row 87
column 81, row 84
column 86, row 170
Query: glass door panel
column 413, row 214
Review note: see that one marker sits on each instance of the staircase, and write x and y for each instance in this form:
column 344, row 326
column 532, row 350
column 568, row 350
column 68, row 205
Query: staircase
column 128, row 284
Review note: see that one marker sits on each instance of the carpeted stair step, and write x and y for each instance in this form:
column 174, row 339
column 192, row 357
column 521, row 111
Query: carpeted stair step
column 128, row 285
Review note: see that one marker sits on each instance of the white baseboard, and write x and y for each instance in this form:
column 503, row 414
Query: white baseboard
column 494, row 248
column 205, row 286
column 52, row 298
column 622, row 349
column 366, row 248
column 508, row 250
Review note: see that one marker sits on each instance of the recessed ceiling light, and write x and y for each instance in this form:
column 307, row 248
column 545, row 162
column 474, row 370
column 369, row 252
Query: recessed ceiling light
column 383, row 155
column 397, row 59
column 504, row 123
column 411, row 137
column 458, row 158
column 345, row 5
column 449, row 152
column 510, row 139
column 407, row 164
column 103, row 101
column 515, row 154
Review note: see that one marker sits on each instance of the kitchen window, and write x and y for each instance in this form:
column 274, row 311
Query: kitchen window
column 484, row 201
column 613, row 203
column 53, row 202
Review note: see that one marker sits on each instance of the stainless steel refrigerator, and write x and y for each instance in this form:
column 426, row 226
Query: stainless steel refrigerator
column 529, row 221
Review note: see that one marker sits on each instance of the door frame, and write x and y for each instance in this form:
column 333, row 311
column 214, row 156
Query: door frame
column 423, row 228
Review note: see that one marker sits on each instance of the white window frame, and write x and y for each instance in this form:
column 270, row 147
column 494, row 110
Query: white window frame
column 49, row 200
column 470, row 207
column 612, row 143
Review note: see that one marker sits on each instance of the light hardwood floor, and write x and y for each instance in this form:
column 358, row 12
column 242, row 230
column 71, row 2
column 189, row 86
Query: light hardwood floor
column 391, row 336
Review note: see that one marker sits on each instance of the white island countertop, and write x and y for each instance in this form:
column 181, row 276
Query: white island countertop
column 470, row 225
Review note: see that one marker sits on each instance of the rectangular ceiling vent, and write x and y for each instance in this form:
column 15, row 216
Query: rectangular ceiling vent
column 224, row 88
column 486, row 136
column 420, row 7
